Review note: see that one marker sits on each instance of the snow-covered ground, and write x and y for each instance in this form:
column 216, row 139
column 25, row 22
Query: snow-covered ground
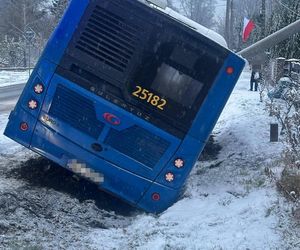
column 229, row 202
column 13, row 77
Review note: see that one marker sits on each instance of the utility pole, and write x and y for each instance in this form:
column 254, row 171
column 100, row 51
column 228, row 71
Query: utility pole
column 24, row 30
column 227, row 21
column 263, row 18
column 231, row 26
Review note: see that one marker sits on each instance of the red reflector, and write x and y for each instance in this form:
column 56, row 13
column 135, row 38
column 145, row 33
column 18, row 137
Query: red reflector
column 229, row 70
column 156, row 197
column 24, row 126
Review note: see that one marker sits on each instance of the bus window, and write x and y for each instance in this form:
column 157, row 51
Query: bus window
column 176, row 86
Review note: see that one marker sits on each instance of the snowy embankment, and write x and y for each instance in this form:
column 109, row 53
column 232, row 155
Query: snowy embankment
column 229, row 203
column 8, row 78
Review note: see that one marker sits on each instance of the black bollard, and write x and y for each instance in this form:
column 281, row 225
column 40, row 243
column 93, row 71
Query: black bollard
column 274, row 132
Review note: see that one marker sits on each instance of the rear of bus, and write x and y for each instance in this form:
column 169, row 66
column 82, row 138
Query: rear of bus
column 125, row 95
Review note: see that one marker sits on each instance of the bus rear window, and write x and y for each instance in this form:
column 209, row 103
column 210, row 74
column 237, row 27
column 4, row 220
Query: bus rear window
column 177, row 86
column 164, row 80
column 178, row 76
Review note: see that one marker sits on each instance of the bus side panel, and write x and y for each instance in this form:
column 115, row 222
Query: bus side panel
column 204, row 123
column 189, row 152
column 169, row 191
column 168, row 196
column 13, row 130
column 21, row 113
column 43, row 72
column 216, row 99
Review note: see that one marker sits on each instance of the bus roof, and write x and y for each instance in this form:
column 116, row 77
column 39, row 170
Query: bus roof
column 212, row 35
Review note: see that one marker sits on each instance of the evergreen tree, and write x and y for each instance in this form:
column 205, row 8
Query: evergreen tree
column 285, row 14
column 202, row 12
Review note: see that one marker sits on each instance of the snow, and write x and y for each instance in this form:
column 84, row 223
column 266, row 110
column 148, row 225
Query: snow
column 228, row 207
column 212, row 35
column 8, row 78
column 6, row 145
column 285, row 79
column 228, row 203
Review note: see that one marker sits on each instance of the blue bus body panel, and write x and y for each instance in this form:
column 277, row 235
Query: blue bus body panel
column 61, row 37
column 41, row 74
column 118, row 181
column 101, row 106
column 217, row 98
column 134, row 156
column 45, row 68
column 204, row 123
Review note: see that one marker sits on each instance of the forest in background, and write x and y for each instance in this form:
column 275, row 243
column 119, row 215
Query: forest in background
column 25, row 25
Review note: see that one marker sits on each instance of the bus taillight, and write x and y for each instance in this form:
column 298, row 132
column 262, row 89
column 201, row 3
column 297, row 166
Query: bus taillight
column 24, row 126
column 229, row 70
column 156, row 196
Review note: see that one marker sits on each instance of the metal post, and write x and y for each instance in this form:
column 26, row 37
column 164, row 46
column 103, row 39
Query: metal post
column 227, row 22
column 230, row 42
column 29, row 58
column 274, row 132
column 263, row 13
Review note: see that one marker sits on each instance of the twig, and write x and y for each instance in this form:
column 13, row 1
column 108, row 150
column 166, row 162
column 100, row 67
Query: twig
column 271, row 174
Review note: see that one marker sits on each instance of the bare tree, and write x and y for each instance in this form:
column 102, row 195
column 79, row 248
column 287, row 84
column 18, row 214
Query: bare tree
column 200, row 11
column 58, row 8
column 23, row 25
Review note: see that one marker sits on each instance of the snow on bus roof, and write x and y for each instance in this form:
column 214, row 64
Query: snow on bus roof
column 212, row 35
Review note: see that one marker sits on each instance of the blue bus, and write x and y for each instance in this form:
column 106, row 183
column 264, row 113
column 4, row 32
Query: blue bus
column 126, row 94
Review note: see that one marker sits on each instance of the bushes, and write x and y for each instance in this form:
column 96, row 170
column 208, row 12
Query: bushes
column 287, row 112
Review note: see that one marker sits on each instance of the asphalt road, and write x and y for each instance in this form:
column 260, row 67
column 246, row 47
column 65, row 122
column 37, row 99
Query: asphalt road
column 9, row 96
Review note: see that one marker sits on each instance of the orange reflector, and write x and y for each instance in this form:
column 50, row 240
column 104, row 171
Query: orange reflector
column 33, row 104
column 24, row 126
column 179, row 163
column 39, row 89
column 155, row 196
column 169, row 177
column 229, row 70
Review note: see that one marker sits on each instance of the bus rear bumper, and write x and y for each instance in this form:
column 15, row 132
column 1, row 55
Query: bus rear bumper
column 20, row 126
column 136, row 190
column 158, row 198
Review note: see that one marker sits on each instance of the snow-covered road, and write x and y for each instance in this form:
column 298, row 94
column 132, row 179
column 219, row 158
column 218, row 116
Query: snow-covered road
column 229, row 203
column 8, row 96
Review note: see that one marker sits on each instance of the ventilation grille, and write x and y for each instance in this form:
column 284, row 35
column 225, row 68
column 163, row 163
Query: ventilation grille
column 75, row 110
column 109, row 39
column 139, row 144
